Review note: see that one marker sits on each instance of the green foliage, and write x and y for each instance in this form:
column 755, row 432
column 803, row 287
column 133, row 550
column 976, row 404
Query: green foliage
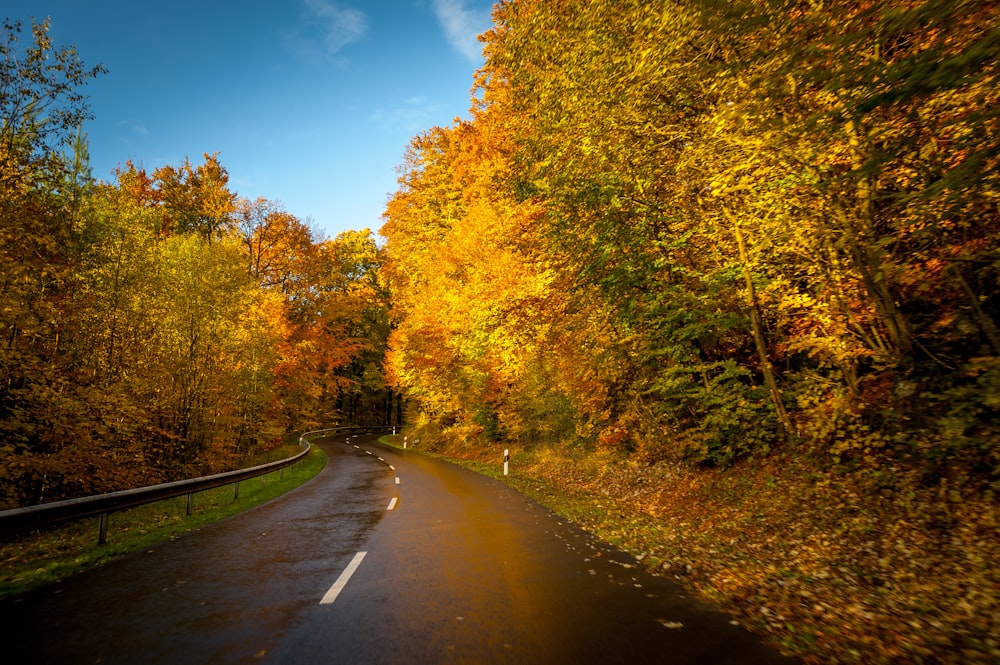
column 961, row 416
column 41, row 105
column 489, row 420
column 723, row 419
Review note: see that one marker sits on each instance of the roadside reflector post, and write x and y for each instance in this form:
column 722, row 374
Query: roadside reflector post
column 404, row 442
column 506, row 460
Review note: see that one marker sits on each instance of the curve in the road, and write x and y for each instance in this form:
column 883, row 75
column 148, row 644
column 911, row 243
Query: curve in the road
column 358, row 567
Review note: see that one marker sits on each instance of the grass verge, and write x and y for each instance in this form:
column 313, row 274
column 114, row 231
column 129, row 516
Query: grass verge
column 37, row 559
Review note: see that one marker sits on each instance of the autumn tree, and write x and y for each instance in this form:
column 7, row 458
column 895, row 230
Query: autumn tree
column 758, row 218
column 196, row 198
column 157, row 326
column 334, row 312
column 466, row 285
column 40, row 98
column 358, row 305
column 41, row 108
column 277, row 244
column 622, row 210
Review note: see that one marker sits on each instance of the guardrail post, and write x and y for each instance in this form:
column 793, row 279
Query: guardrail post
column 190, row 503
column 236, row 490
column 102, row 536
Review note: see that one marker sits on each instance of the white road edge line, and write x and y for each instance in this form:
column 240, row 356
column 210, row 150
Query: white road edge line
column 392, row 467
column 392, row 504
column 338, row 586
column 397, row 480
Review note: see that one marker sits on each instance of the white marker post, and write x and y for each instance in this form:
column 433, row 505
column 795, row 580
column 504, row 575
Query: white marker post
column 506, row 460
column 404, row 443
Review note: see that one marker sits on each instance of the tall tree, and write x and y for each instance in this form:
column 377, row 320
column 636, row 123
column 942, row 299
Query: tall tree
column 196, row 199
column 41, row 107
column 41, row 104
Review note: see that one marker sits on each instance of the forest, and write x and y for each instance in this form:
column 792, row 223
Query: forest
column 159, row 327
column 721, row 274
column 730, row 269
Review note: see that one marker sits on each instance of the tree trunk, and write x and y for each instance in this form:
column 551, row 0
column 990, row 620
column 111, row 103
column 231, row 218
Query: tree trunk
column 861, row 238
column 983, row 320
column 784, row 423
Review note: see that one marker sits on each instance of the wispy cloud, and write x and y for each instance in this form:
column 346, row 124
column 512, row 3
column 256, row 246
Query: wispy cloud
column 133, row 126
column 413, row 115
column 462, row 26
column 333, row 24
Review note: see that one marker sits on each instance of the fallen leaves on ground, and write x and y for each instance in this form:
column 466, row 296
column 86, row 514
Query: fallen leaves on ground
column 864, row 566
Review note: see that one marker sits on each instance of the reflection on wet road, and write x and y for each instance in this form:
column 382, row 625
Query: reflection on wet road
column 386, row 557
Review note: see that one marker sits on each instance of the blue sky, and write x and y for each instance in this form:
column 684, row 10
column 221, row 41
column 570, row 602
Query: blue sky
column 309, row 102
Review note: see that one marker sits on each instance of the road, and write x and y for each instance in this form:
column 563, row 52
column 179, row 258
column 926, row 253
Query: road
column 387, row 556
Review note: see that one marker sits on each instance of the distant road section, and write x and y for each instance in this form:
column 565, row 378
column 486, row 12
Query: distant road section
column 385, row 557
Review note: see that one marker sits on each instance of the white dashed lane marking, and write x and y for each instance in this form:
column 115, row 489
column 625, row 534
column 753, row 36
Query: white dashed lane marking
column 338, row 586
column 392, row 503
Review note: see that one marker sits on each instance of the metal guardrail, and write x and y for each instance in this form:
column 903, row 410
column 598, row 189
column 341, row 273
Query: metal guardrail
column 55, row 512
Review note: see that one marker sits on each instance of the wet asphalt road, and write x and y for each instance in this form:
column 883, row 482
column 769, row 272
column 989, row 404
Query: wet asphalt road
column 457, row 568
